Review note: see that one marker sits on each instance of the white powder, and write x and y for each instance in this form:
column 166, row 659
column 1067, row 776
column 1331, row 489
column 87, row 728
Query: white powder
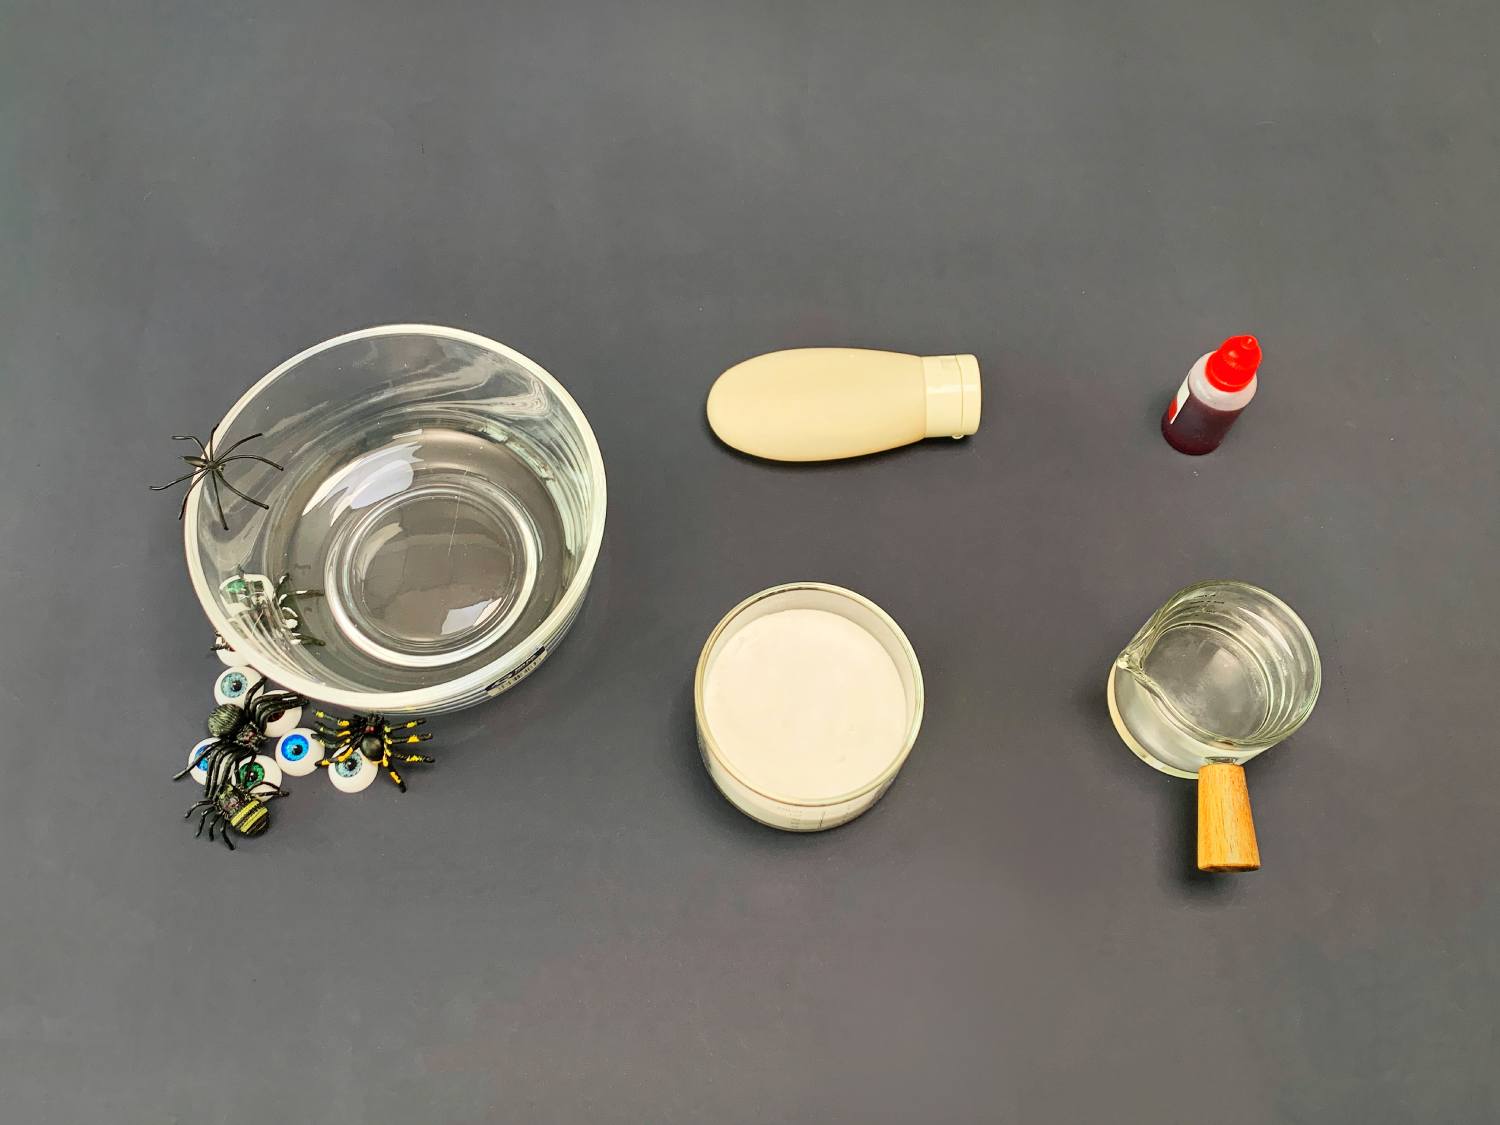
column 804, row 703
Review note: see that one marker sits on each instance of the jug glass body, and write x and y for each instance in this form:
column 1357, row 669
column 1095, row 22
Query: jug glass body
column 1223, row 671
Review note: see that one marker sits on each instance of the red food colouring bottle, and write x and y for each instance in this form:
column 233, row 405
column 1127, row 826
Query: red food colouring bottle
column 1218, row 387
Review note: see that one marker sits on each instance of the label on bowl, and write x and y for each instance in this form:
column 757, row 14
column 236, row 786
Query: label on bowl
column 518, row 673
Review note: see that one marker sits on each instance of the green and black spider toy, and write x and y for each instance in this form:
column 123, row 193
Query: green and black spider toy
column 234, row 802
column 233, row 796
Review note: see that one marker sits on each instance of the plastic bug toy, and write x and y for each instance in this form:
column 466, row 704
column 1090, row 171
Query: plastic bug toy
column 234, row 801
column 235, row 786
column 238, row 730
column 246, row 721
column 375, row 740
column 210, row 466
column 289, row 609
column 269, row 607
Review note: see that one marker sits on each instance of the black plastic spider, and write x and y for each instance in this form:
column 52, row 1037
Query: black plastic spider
column 233, row 801
column 290, row 610
column 375, row 738
column 270, row 608
column 210, row 466
column 238, row 729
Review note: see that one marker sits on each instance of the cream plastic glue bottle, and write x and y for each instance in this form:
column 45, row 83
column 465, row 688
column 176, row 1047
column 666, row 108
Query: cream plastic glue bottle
column 821, row 404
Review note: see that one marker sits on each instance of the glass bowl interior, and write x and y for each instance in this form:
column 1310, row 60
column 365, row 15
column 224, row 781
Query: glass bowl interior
column 429, row 534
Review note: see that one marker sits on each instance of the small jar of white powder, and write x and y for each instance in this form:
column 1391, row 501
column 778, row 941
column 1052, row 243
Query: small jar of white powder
column 808, row 698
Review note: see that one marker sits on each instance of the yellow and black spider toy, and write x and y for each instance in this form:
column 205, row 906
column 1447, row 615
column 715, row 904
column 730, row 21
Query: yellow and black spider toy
column 374, row 738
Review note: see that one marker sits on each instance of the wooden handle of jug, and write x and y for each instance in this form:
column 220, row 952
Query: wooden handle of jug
column 1226, row 832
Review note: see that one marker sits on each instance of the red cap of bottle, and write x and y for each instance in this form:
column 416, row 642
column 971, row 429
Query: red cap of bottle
column 1233, row 366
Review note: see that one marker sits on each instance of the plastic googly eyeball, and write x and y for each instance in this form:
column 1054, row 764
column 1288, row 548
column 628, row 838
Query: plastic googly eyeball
column 233, row 684
column 261, row 775
column 354, row 773
column 196, row 756
column 298, row 751
column 283, row 722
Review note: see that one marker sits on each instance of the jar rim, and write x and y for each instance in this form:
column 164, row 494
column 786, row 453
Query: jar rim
column 1151, row 631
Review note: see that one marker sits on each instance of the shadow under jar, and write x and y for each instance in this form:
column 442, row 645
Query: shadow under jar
column 442, row 492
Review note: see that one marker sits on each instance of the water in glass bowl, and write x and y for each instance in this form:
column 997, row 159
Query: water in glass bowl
column 432, row 541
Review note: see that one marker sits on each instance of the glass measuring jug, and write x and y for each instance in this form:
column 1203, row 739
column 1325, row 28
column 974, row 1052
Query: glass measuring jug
column 1222, row 672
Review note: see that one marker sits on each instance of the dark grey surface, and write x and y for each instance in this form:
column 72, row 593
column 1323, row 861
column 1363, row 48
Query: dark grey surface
column 562, row 921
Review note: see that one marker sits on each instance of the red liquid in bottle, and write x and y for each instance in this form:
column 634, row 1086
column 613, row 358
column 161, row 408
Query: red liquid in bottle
column 1197, row 428
column 1217, row 390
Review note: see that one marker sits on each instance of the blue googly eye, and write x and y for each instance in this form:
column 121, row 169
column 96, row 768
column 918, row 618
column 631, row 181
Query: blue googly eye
column 233, row 684
column 298, row 751
column 354, row 773
column 196, row 758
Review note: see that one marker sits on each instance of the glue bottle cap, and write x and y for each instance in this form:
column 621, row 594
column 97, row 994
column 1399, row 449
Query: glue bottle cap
column 1233, row 366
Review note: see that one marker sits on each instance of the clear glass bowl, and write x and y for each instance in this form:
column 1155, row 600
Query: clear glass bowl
column 433, row 530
